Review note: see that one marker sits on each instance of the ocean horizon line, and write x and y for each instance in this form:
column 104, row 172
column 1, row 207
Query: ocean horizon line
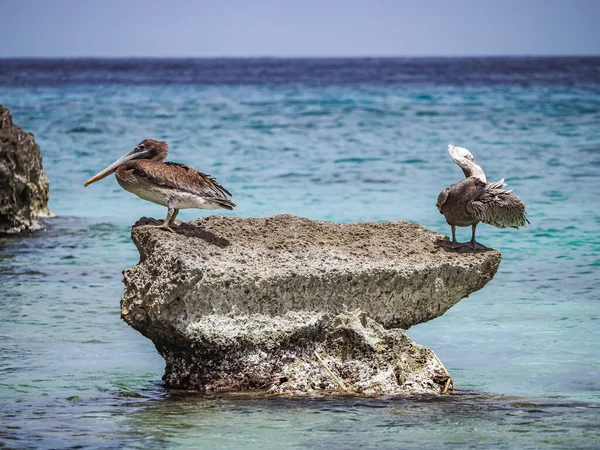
column 306, row 57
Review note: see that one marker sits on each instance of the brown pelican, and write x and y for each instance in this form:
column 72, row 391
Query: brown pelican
column 474, row 200
column 144, row 172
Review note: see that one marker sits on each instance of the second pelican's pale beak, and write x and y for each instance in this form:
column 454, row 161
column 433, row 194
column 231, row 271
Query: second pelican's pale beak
column 134, row 153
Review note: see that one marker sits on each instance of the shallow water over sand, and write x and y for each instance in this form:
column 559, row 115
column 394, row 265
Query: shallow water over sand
column 523, row 351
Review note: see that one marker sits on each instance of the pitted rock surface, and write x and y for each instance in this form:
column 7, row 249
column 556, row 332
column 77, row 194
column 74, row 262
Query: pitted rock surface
column 235, row 304
column 23, row 182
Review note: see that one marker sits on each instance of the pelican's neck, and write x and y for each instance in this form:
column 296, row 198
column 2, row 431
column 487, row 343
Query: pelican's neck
column 470, row 169
column 162, row 153
column 477, row 172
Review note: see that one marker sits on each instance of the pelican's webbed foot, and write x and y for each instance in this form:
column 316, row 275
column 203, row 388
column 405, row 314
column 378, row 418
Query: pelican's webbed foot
column 170, row 220
column 163, row 227
column 477, row 246
column 452, row 245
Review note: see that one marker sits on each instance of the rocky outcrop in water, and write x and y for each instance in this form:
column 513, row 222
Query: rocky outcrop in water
column 287, row 304
column 23, row 182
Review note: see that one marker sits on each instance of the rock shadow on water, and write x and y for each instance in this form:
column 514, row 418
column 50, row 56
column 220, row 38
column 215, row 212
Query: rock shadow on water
column 50, row 227
column 466, row 419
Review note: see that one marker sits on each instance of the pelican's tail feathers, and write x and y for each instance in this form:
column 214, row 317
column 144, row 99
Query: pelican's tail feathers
column 500, row 184
column 224, row 203
column 499, row 208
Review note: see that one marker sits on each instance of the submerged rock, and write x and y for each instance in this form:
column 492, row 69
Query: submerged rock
column 288, row 304
column 23, row 182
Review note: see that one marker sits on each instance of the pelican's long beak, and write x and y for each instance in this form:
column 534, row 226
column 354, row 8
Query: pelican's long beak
column 457, row 157
column 452, row 151
column 134, row 153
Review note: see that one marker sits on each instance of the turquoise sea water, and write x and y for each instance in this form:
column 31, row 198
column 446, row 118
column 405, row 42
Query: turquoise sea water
column 341, row 140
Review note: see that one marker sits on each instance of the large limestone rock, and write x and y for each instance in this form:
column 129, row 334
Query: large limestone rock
column 23, row 182
column 288, row 304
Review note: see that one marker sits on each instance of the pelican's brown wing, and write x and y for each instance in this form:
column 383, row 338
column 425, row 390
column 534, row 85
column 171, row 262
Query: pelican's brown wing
column 183, row 178
column 499, row 207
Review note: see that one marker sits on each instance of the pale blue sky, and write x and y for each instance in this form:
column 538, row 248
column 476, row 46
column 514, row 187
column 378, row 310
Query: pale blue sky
column 176, row 28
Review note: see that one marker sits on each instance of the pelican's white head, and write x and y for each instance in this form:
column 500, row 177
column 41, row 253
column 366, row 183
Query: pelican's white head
column 465, row 159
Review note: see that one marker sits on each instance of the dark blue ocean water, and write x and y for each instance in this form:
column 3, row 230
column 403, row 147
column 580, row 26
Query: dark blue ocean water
column 345, row 140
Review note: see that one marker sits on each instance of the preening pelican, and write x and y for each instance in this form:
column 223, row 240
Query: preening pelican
column 474, row 200
column 144, row 172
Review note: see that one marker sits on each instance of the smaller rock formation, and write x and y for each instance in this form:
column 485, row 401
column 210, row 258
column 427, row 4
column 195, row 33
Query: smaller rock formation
column 23, row 182
column 292, row 305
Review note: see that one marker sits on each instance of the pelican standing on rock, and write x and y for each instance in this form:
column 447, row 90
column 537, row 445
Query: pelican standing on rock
column 144, row 172
column 474, row 200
